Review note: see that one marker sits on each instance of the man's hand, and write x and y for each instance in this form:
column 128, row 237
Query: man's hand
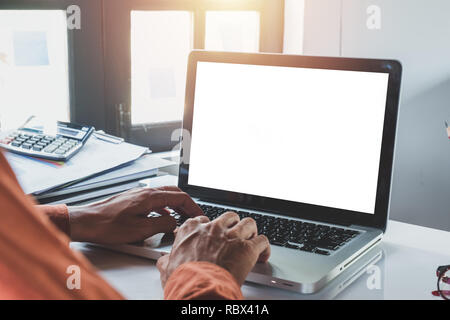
column 227, row 241
column 124, row 218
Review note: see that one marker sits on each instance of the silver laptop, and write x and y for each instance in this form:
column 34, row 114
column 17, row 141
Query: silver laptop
column 303, row 145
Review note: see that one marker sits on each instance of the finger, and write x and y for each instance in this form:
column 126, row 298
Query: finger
column 162, row 263
column 177, row 200
column 262, row 247
column 245, row 229
column 193, row 223
column 201, row 219
column 169, row 188
column 228, row 219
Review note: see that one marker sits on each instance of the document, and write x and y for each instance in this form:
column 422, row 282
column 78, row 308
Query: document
column 144, row 167
column 96, row 156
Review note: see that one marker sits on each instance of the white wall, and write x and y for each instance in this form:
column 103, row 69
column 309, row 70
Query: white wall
column 416, row 32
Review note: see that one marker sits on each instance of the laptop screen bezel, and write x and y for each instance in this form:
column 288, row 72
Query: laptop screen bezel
column 290, row 208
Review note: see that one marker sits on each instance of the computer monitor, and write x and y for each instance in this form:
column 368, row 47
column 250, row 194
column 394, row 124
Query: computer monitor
column 299, row 135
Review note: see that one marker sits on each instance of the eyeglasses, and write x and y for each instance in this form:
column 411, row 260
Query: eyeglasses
column 443, row 282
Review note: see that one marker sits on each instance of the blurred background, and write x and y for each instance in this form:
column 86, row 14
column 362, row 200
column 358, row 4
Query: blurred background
column 121, row 67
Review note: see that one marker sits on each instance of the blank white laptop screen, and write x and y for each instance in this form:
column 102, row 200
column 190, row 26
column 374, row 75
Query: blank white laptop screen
column 298, row 134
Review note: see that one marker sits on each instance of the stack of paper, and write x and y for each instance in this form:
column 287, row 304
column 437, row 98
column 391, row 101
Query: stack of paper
column 144, row 167
column 98, row 164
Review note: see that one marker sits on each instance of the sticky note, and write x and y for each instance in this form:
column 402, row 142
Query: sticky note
column 30, row 48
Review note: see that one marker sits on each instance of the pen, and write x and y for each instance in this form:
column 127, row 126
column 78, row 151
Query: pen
column 107, row 137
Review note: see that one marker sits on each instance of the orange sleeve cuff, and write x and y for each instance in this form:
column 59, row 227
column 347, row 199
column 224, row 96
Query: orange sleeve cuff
column 59, row 215
column 202, row 281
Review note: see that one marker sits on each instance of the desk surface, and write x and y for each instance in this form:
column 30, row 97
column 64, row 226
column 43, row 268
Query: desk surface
column 410, row 255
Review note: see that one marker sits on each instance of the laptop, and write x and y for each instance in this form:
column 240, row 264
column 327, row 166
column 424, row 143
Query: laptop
column 303, row 145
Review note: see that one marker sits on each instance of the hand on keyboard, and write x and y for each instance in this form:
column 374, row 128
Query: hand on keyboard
column 227, row 241
column 123, row 218
column 289, row 233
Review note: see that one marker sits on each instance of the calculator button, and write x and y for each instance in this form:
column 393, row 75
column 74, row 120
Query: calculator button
column 59, row 151
column 15, row 144
column 50, row 149
column 26, row 146
column 37, row 148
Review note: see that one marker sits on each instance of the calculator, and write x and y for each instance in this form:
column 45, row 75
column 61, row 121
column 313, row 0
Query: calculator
column 69, row 139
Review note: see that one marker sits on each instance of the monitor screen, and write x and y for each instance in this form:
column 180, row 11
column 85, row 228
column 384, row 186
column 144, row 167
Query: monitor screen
column 298, row 134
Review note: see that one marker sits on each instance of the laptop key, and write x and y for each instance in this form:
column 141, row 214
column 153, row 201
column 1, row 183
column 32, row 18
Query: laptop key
column 308, row 248
column 300, row 235
column 277, row 242
column 291, row 246
column 322, row 252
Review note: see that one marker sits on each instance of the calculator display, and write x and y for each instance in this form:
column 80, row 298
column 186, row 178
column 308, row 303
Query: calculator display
column 72, row 130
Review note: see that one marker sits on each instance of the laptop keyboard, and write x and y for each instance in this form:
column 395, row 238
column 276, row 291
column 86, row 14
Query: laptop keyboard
column 293, row 234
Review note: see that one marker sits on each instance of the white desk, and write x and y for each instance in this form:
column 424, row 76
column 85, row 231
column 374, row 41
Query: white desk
column 407, row 269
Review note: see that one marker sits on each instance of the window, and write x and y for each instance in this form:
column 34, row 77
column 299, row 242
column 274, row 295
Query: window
column 160, row 44
column 34, row 67
column 293, row 26
column 124, row 71
column 145, row 83
column 232, row 31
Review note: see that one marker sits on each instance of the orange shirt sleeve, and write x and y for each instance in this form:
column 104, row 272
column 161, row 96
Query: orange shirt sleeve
column 36, row 259
column 58, row 214
column 202, row 281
